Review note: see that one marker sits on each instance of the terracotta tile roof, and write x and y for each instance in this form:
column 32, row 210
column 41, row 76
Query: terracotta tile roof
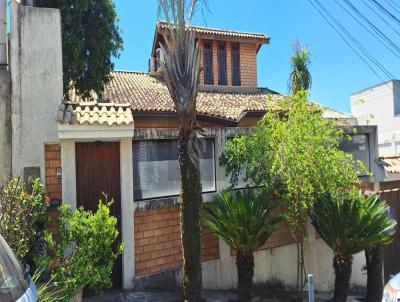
column 144, row 93
column 94, row 114
column 391, row 164
column 223, row 32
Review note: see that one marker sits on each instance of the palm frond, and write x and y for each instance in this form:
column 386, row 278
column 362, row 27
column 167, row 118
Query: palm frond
column 300, row 77
column 350, row 223
column 243, row 219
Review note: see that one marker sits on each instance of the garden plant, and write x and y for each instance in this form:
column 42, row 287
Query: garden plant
column 294, row 153
column 23, row 217
column 84, row 255
column 350, row 223
column 244, row 220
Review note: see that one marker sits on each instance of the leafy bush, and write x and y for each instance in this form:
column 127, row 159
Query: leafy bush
column 23, row 217
column 85, row 253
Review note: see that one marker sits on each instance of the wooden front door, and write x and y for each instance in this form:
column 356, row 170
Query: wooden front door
column 98, row 172
column 391, row 194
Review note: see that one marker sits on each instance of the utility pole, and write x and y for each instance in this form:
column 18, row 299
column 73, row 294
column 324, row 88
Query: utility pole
column 3, row 34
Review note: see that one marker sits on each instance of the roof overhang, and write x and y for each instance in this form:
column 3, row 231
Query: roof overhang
column 214, row 34
column 95, row 132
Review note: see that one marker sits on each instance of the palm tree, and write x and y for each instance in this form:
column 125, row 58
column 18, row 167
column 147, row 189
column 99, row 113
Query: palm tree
column 300, row 77
column 244, row 220
column 181, row 67
column 350, row 223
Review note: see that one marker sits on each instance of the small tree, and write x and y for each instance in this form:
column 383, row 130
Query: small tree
column 293, row 151
column 90, row 38
column 350, row 223
column 244, row 220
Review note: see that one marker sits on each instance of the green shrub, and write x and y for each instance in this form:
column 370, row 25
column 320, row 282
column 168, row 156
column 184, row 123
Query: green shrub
column 85, row 253
column 23, row 217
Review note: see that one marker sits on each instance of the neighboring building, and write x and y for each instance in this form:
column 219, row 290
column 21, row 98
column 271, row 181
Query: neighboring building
column 123, row 143
column 380, row 105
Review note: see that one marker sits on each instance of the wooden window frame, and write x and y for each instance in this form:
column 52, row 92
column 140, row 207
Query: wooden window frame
column 208, row 81
column 222, row 70
column 238, row 76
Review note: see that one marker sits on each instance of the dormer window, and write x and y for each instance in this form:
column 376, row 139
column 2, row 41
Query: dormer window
column 208, row 68
column 236, row 64
column 222, row 64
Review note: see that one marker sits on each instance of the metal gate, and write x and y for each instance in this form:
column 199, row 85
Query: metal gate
column 390, row 192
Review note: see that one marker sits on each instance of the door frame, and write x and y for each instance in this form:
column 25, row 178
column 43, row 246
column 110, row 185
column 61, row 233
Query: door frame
column 69, row 194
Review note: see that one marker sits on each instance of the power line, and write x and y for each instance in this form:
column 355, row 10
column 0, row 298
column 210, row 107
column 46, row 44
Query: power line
column 385, row 11
column 376, row 29
column 380, row 17
column 353, row 44
column 339, row 27
column 373, row 33
column 333, row 23
column 393, row 5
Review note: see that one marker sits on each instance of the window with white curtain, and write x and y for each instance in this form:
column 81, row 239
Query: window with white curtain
column 156, row 170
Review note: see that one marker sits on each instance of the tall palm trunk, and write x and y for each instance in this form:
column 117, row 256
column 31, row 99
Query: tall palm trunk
column 374, row 274
column 245, row 269
column 342, row 266
column 191, row 201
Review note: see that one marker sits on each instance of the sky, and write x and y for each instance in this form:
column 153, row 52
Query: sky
column 336, row 70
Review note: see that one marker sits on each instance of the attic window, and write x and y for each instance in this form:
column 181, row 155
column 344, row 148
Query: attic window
column 236, row 65
column 208, row 68
column 222, row 64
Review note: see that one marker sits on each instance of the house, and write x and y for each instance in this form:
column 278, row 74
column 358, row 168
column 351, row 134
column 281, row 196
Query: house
column 123, row 143
column 380, row 105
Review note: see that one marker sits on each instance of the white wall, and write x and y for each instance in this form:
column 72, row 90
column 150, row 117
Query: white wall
column 5, row 126
column 37, row 89
column 280, row 264
column 375, row 106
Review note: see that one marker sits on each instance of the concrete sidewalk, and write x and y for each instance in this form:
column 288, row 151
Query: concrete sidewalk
column 209, row 296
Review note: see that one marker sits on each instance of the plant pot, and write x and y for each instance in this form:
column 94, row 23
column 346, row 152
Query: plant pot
column 77, row 296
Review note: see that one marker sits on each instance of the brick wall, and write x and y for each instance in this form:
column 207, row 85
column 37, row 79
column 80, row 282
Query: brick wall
column 53, row 185
column 248, row 63
column 158, row 241
column 281, row 237
column 52, row 162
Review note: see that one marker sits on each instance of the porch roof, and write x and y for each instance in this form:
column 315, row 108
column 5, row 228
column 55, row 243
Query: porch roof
column 391, row 164
column 94, row 114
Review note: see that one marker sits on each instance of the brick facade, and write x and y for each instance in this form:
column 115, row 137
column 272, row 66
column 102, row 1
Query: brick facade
column 281, row 237
column 158, row 241
column 52, row 157
column 52, row 162
column 248, row 63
